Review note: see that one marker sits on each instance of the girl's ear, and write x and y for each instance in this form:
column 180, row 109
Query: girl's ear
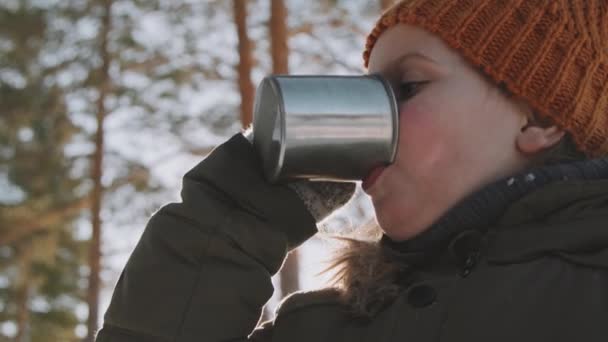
column 533, row 139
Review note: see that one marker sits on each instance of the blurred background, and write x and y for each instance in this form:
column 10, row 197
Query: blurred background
column 105, row 104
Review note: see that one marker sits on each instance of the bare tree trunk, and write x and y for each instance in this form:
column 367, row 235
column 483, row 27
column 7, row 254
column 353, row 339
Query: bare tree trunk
column 245, row 63
column 290, row 273
column 23, row 294
column 385, row 4
column 97, row 195
column 278, row 37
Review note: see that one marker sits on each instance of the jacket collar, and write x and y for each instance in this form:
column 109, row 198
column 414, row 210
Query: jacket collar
column 564, row 219
column 559, row 201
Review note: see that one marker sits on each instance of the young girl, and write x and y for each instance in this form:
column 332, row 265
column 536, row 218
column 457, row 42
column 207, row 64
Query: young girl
column 493, row 215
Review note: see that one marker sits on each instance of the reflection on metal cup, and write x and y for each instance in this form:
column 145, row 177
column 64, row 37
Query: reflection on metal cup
column 324, row 127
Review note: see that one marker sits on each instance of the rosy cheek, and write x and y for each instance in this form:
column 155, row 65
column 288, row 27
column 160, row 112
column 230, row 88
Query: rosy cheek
column 421, row 140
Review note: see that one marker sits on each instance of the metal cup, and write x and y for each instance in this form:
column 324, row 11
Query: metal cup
column 324, row 127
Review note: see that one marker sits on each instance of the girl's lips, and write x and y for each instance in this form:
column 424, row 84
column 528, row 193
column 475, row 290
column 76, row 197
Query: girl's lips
column 372, row 176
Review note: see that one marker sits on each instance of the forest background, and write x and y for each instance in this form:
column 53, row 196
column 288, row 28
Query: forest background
column 105, row 104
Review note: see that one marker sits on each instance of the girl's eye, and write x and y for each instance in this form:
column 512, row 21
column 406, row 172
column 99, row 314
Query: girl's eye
column 408, row 89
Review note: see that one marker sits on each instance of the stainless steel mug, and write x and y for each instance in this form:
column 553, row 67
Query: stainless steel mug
column 324, row 127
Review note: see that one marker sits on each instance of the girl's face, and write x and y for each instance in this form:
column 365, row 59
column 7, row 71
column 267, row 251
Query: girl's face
column 458, row 132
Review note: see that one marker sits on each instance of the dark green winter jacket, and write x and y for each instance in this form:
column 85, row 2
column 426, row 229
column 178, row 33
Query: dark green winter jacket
column 202, row 269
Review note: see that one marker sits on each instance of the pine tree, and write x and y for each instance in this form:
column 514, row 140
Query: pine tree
column 103, row 89
column 36, row 256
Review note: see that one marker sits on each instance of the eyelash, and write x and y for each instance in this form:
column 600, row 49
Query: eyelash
column 405, row 95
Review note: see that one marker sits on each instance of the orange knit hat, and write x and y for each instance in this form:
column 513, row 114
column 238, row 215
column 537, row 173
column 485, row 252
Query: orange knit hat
column 551, row 53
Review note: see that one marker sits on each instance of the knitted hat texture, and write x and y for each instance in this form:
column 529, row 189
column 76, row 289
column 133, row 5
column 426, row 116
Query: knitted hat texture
column 551, row 53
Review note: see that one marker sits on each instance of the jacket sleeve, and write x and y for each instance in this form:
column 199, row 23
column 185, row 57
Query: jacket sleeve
column 201, row 270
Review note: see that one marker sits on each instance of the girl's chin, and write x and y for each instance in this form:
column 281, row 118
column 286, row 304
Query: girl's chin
column 397, row 234
column 399, row 225
column 390, row 225
column 400, row 233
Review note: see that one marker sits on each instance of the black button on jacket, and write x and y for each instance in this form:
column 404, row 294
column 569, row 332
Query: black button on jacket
column 201, row 271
